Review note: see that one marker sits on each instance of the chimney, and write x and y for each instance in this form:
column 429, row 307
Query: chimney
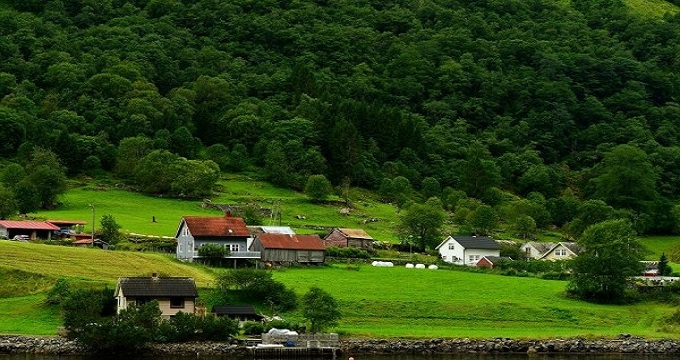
column 154, row 276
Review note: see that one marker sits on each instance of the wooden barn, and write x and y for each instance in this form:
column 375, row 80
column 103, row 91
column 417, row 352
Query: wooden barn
column 357, row 238
column 288, row 249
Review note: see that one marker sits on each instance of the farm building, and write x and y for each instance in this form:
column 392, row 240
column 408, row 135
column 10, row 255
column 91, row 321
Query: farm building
column 342, row 237
column 490, row 261
column 28, row 229
column 288, row 249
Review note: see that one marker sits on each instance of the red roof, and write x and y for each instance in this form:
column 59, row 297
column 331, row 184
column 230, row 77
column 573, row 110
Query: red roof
column 28, row 225
column 225, row 226
column 291, row 242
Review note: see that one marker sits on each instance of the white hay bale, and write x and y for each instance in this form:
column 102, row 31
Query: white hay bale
column 433, row 267
column 420, row 266
column 409, row 266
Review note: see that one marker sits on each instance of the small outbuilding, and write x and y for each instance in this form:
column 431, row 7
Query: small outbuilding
column 342, row 237
column 490, row 261
column 288, row 249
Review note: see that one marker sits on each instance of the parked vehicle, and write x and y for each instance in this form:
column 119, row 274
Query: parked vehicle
column 22, row 238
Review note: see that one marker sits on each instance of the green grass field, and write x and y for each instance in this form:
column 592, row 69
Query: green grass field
column 376, row 302
column 399, row 302
column 134, row 211
column 87, row 264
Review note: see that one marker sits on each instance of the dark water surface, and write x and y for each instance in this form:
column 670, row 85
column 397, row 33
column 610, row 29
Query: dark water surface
column 371, row 357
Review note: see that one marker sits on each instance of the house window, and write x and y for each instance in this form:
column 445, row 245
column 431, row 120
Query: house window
column 452, row 246
column 233, row 247
column 177, row 303
column 473, row 258
column 444, row 257
column 179, row 248
column 185, row 231
column 561, row 252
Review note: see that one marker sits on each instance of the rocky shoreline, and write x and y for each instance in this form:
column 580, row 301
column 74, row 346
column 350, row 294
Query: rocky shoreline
column 353, row 347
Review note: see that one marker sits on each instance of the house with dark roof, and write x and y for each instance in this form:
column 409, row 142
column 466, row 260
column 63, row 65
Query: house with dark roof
column 227, row 231
column 242, row 313
column 174, row 294
column 342, row 237
column 467, row 250
column 32, row 229
column 289, row 249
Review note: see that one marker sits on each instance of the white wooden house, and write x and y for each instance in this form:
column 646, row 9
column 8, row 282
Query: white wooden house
column 467, row 250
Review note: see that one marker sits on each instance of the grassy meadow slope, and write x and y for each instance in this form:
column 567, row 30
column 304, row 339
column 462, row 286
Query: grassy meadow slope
column 393, row 302
column 376, row 302
column 134, row 211
column 28, row 271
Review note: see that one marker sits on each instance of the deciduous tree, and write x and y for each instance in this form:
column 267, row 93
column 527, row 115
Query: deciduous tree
column 321, row 309
column 610, row 257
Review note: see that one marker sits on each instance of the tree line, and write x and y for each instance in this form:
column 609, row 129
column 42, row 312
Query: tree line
column 570, row 107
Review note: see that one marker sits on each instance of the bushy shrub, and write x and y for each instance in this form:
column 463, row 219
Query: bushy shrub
column 555, row 275
column 253, row 328
column 59, row 292
column 256, row 285
column 347, row 252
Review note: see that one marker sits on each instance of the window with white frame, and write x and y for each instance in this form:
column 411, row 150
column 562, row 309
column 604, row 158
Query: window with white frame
column 452, row 246
column 561, row 252
column 233, row 247
column 473, row 258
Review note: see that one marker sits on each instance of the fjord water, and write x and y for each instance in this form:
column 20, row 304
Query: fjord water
column 371, row 357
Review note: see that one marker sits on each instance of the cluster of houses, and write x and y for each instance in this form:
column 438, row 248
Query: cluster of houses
column 266, row 244
column 483, row 251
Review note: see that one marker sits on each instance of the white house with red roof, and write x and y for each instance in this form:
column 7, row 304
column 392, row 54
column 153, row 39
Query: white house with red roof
column 227, row 231
column 33, row 229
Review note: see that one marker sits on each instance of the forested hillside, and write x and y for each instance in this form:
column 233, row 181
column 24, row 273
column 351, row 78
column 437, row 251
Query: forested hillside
column 571, row 104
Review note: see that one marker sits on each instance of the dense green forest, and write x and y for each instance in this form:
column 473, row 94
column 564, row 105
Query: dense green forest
column 571, row 105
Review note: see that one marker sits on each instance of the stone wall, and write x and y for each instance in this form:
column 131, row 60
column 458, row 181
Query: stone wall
column 351, row 347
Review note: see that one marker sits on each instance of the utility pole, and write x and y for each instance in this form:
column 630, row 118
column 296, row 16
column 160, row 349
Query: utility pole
column 92, row 206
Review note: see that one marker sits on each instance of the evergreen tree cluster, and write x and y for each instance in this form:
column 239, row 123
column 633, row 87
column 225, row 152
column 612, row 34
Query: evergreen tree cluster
column 571, row 105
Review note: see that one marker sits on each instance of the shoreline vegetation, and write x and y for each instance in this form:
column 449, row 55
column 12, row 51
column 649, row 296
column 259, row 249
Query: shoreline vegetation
column 623, row 344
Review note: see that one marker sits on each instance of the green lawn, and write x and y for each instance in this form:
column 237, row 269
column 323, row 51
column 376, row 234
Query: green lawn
column 28, row 315
column 392, row 302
